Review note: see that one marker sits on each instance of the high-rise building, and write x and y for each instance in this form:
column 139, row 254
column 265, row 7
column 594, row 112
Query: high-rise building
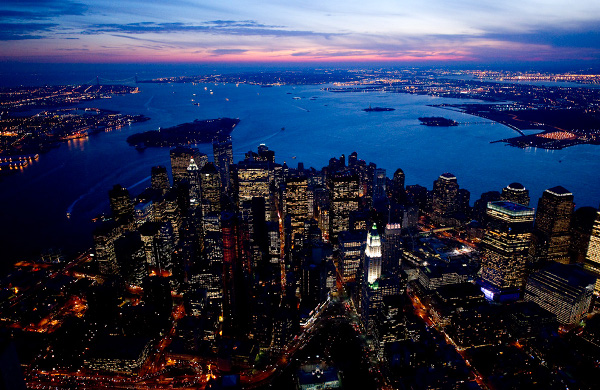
column 180, row 160
column 352, row 247
column 552, row 235
column 223, row 154
column 391, row 248
column 344, row 198
column 592, row 259
column 562, row 289
column 372, row 263
column 445, row 196
column 379, row 184
column 210, row 189
column 516, row 193
column 120, row 202
column 254, row 180
column 159, row 179
column 581, row 232
column 397, row 190
column 194, row 181
column 505, row 248
column 296, row 204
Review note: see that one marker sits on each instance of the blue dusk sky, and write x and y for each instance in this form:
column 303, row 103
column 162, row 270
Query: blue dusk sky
column 124, row 31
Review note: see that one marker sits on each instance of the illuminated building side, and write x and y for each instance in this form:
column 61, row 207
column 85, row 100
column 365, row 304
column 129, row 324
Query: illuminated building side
column 505, row 247
column 373, row 256
column 592, row 260
column 551, row 236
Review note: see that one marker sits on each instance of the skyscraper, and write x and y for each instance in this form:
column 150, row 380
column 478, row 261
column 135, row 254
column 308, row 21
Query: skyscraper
column 223, row 154
column 565, row 290
column 210, row 185
column 344, row 198
column 180, row 160
column 551, row 235
column 516, row 193
column 445, row 193
column 120, row 202
column 159, row 179
column 193, row 172
column 379, row 184
column 254, row 180
column 505, row 248
column 372, row 263
column 296, row 204
column 592, row 260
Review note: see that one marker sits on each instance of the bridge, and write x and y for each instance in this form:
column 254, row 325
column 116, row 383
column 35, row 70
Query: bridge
column 98, row 80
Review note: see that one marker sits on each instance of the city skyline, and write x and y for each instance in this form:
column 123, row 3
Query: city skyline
column 296, row 32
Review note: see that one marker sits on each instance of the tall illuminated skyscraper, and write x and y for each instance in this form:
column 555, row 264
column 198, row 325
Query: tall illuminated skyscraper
column 223, row 154
column 344, row 198
column 592, row 260
column 296, row 203
column 551, row 235
column 194, row 181
column 210, row 184
column 516, row 193
column 372, row 264
column 445, row 196
column 254, row 180
column 505, row 248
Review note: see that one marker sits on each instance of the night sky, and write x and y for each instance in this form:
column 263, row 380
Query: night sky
column 406, row 31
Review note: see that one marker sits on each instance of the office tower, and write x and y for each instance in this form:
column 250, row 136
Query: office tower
column 223, row 154
column 417, row 194
column 391, row 248
column 505, row 249
column 592, row 259
column 516, row 193
column 180, row 160
column 210, row 189
column 296, row 203
column 397, row 192
column 157, row 238
column 344, row 198
column 193, row 173
column 562, row 289
column 159, row 179
column 104, row 248
column 445, row 196
column 479, row 212
column 463, row 207
column 172, row 214
column 551, row 234
column 372, row 263
column 379, row 184
column 131, row 258
column 313, row 276
column 264, row 154
column 254, row 180
column 351, row 252
column 235, row 265
column 120, row 203
column 581, row 232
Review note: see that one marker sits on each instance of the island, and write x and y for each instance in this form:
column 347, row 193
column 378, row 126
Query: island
column 196, row 132
column 377, row 109
column 437, row 121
